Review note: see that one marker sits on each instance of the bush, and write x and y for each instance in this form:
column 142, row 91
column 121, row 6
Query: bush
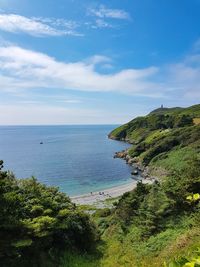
column 35, row 218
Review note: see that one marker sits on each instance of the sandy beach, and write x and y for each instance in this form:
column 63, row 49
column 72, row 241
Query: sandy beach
column 100, row 196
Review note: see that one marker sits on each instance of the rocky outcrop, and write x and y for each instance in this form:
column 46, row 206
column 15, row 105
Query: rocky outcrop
column 121, row 155
column 117, row 138
column 137, row 165
column 124, row 155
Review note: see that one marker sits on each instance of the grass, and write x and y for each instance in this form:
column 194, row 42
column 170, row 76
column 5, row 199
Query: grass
column 184, row 246
column 86, row 208
column 156, row 135
column 153, row 253
column 138, row 134
column 111, row 200
column 132, row 251
column 78, row 260
column 175, row 159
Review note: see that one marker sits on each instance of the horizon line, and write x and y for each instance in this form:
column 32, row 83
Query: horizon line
column 88, row 124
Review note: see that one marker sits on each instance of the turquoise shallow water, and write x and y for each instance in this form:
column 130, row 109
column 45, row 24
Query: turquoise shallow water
column 77, row 159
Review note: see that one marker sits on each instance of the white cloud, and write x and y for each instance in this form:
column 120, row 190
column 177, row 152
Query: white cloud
column 21, row 68
column 39, row 27
column 26, row 69
column 100, row 23
column 97, row 59
column 184, row 76
column 104, row 12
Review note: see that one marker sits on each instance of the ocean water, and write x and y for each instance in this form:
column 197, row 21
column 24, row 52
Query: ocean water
column 77, row 159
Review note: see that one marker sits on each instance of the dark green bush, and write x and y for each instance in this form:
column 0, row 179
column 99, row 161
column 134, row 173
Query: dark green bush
column 34, row 219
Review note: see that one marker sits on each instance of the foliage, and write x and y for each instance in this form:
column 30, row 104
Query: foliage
column 139, row 128
column 36, row 219
column 185, row 262
column 79, row 260
column 193, row 197
column 152, row 221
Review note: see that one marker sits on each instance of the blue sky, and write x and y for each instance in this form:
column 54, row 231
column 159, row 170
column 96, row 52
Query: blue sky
column 96, row 62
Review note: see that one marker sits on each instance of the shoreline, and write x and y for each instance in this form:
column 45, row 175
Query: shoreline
column 100, row 196
column 97, row 198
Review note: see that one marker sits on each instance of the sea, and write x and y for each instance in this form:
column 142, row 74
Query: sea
column 77, row 159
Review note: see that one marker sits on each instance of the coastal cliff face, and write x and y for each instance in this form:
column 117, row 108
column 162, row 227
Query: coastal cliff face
column 161, row 137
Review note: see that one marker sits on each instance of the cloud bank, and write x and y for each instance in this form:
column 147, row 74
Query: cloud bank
column 23, row 69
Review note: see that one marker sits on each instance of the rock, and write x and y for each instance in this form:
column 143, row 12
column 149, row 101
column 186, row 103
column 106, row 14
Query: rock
column 135, row 172
column 121, row 154
column 130, row 161
column 138, row 167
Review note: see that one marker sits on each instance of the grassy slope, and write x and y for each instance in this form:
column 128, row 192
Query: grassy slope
column 146, row 135
column 132, row 130
column 128, row 250
column 169, row 149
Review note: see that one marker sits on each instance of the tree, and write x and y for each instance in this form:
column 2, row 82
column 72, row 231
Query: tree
column 34, row 219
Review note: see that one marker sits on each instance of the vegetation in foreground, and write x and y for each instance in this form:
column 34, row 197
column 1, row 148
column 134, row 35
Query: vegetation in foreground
column 152, row 226
column 38, row 222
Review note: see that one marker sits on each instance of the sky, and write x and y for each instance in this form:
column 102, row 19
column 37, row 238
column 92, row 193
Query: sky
column 96, row 62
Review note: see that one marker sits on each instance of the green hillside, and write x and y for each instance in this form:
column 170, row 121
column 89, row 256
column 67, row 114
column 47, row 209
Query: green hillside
column 160, row 119
column 154, row 225
column 162, row 134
